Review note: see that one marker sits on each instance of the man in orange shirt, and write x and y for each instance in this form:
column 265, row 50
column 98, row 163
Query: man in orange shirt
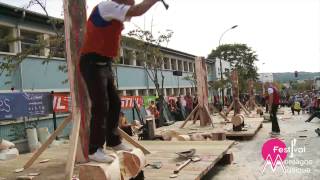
column 101, row 45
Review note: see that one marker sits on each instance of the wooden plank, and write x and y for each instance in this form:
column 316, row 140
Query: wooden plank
column 132, row 141
column 48, row 142
column 253, row 127
column 210, row 153
column 190, row 115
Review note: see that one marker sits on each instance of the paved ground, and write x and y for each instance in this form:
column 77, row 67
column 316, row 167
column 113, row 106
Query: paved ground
column 248, row 161
column 247, row 165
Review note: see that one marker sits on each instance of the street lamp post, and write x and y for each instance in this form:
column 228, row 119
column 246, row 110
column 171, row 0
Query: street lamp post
column 221, row 75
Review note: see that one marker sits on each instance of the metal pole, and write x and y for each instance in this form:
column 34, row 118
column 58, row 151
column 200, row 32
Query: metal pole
column 221, row 75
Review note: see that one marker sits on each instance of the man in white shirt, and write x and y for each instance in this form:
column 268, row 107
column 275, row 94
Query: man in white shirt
column 101, row 45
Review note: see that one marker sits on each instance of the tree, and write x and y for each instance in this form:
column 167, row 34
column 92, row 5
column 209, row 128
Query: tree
column 149, row 51
column 242, row 58
column 55, row 45
column 192, row 79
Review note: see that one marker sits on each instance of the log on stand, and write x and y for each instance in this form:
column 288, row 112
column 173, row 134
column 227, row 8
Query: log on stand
column 131, row 163
column 201, row 110
column 100, row 171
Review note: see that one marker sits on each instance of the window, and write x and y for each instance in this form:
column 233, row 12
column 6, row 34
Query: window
column 30, row 42
column 179, row 65
column 152, row 92
column 4, row 37
column 168, row 92
column 130, row 92
column 57, row 47
column 127, row 55
column 173, row 64
column 191, row 67
column 185, row 66
column 209, row 68
column 140, row 58
column 166, row 63
column 176, row 91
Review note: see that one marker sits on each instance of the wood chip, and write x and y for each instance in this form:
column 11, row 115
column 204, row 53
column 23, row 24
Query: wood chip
column 45, row 160
column 25, row 177
column 18, row 170
column 34, row 174
column 173, row 175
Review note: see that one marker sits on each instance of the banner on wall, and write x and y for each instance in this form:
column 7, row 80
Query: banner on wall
column 147, row 100
column 127, row 102
column 14, row 105
column 61, row 102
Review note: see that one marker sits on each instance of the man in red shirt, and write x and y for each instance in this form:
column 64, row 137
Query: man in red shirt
column 273, row 103
column 101, row 45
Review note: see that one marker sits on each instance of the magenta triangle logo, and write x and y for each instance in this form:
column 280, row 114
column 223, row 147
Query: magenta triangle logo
column 274, row 152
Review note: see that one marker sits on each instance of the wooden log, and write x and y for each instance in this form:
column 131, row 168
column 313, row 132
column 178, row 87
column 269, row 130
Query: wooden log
column 182, row 138
column 131, row 162
column 168, row 135
column 259, row 111
column 197, row 137
column 220, row 136
column 4, row 144
column 237, row 120
column 100, row 171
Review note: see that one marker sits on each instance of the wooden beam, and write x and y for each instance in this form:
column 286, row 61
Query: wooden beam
column 75, row 25
column 125, row 136
column 190, row 115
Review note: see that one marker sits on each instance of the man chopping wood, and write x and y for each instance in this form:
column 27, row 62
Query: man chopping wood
column 101, row 46
column 273, row 103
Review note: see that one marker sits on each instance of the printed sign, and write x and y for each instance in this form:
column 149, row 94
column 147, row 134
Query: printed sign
column 147, row 100
column 14, row 105
column 61, row 102
column 127, row 102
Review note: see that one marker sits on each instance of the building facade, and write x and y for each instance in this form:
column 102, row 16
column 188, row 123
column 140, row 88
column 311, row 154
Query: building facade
column 33, row 75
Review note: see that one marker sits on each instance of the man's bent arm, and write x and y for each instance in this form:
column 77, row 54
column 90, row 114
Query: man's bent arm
column 141, row 8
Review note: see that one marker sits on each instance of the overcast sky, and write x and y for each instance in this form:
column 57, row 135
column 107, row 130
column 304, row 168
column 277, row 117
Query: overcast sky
column 284, row 33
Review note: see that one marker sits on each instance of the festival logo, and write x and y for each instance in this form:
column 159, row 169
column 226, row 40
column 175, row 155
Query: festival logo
column 274, row 152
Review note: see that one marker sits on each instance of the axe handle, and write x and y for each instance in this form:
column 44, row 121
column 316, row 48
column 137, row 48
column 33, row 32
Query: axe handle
column 165, row 4
column 176, row 171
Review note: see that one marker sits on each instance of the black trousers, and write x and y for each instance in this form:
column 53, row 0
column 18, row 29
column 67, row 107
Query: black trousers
column 274, row 119
column 106, row 104
column 315, row 114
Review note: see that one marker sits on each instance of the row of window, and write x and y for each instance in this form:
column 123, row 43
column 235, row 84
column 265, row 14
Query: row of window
column 31, row 41
column 152, row 92
column 136, row 58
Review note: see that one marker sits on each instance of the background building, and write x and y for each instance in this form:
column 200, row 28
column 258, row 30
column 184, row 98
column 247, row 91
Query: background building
column 32, row 75
column 266, row 77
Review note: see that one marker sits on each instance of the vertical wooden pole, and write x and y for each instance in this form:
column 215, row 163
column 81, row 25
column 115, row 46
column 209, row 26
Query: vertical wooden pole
column 202, row 90
column 235, row 91
column 251, row 95
column 74, row 21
